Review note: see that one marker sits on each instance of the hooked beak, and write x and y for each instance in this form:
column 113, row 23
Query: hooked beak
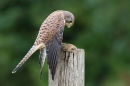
column 68, row 25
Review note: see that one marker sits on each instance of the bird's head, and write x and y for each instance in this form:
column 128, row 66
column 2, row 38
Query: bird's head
column 69, row 18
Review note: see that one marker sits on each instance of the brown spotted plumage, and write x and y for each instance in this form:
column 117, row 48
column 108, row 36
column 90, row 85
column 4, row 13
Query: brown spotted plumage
column 49, row 40
column 50, row 26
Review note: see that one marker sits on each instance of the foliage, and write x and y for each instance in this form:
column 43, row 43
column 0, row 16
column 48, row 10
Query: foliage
column 102, row 28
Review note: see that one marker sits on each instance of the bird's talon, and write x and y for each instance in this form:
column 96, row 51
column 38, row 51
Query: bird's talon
column 68, row 48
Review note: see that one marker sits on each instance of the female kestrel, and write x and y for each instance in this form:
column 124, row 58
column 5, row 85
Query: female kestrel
column 49, row 40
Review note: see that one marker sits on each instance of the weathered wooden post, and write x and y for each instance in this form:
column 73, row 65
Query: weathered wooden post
column 70, row 72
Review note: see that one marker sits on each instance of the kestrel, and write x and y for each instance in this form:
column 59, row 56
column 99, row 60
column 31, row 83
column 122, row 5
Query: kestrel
column 49, row 40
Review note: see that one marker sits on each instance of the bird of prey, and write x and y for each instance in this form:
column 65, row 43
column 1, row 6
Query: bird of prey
column 49, row 40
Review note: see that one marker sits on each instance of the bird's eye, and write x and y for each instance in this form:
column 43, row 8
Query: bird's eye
column 69, row 21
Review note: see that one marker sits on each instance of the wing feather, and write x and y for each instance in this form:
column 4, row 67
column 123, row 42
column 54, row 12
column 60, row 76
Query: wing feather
column 53, row 50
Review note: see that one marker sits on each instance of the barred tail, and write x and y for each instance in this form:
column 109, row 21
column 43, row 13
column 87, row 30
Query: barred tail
column 26, row 57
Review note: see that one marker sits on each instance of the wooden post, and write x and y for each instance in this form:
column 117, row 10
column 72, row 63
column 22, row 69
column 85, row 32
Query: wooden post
column 69, row 72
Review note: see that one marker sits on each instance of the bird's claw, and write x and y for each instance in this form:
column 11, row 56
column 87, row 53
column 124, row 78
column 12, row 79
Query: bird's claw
column 70, row 48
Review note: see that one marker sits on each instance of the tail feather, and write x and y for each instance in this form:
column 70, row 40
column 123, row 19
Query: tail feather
column 26, row 57
column 42, row 60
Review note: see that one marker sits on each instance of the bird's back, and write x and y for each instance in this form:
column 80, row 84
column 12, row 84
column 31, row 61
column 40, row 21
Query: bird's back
column 49, row 27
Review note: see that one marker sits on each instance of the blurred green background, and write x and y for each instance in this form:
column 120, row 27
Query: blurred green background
column 102, row 29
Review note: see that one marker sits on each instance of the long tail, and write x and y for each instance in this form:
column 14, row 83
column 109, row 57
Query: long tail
column 26, row 57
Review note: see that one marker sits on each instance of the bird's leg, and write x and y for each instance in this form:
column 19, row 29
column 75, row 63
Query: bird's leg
column 70, row 48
